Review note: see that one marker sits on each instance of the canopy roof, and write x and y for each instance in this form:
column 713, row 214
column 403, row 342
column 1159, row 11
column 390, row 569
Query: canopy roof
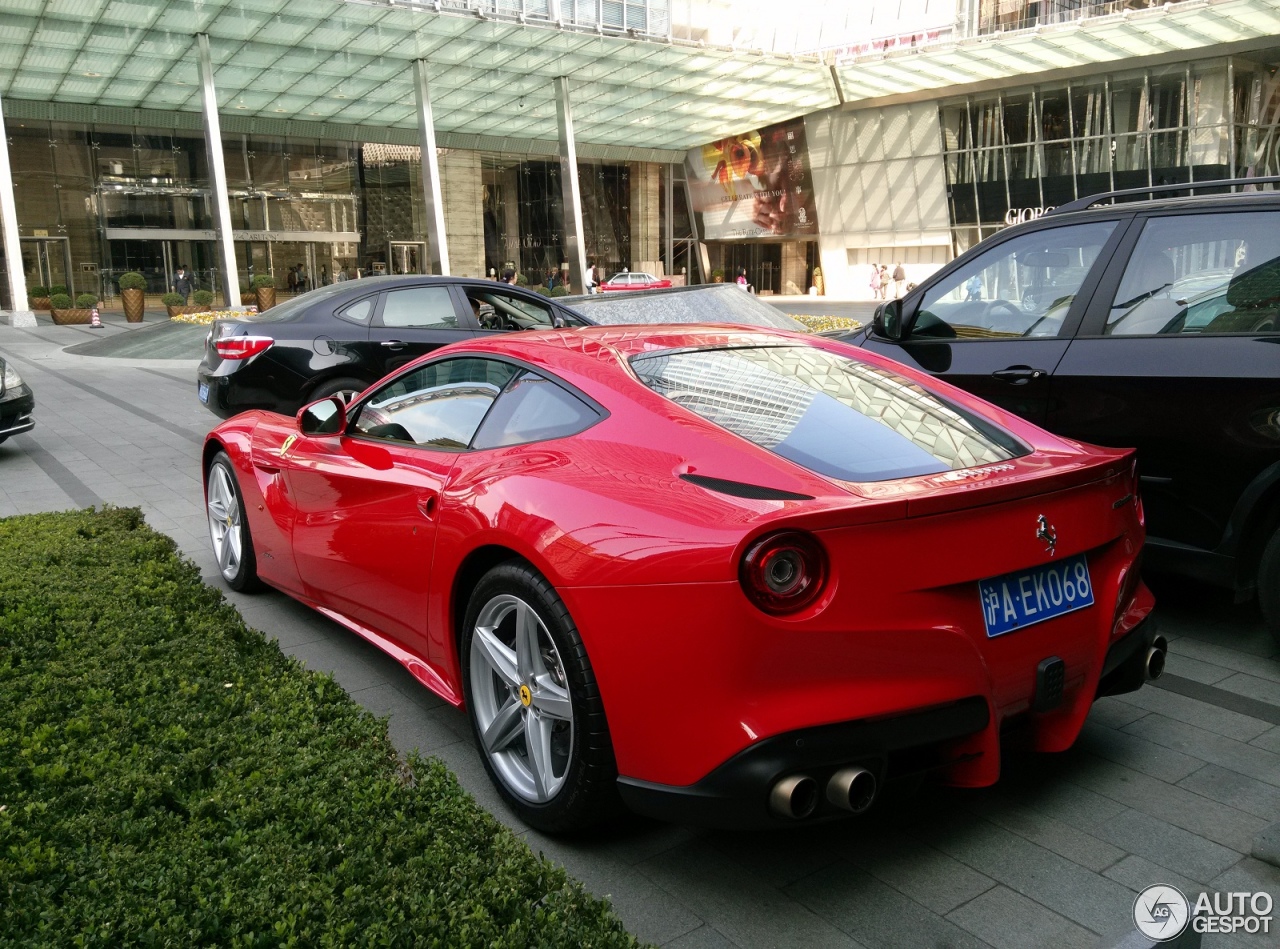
column 348, row 62
column 1130, row 34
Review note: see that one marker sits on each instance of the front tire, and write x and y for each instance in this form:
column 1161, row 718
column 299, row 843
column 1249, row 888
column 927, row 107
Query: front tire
column 1269, row 585
column 534, row 704
column 228, row 526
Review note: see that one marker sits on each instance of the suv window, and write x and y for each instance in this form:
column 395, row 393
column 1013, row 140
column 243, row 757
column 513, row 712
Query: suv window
column 1201, row 274
column 1020, row 288
column 439, row 405
column 420, row 308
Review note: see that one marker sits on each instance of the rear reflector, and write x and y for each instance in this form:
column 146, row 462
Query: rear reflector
column 242, row 347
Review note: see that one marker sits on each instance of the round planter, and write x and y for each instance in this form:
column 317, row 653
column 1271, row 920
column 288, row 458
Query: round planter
column 135, row 304
column 71, row 317
column 40, row 303
column 266, row 298
column 249, row 298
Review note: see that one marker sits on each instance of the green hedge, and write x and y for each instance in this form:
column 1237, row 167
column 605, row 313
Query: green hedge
column 172, row 299
column 60, row 301
column 86, row 301
column 132, row 280
column 262, row 280
column 169, row 778
column 202, row 297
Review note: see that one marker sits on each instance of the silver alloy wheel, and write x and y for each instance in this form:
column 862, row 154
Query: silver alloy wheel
column 224, row 522
column 520, row 699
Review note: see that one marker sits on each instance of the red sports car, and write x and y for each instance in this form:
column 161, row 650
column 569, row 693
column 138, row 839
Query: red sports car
column 728, row 576
column 635, row 281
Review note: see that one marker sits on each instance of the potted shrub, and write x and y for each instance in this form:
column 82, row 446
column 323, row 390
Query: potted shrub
column 66, row 314
column 541, row 289
column 264, row 289
column 173, row 304
column 249, row 298
column 717, row 276
column 559, row 290
column 203, row 299
column 57, row 288
column 38, row 298
column 522, row 280
column 133, row 291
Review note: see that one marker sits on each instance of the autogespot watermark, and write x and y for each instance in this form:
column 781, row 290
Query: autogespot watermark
column 1163, row 913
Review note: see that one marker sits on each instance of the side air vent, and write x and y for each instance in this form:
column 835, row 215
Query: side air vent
column 739, row 490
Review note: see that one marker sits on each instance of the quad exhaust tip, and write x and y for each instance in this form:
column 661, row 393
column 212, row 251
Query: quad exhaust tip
column 853, row 789
column 794, row 797
column 1155, row 657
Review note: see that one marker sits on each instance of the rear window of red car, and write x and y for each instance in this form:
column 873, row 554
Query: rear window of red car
column 834, row 415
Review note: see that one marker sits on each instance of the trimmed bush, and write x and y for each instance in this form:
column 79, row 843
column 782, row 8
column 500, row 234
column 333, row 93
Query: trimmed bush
column 57, row 288
column 263, row 280
column 132, row 281
column 202, row 297
column 541, row 289
column 86, row 301
column 60, row 301
column 559, row 290
column 172, row 299
column 169, row 778
column 522, row 280
column 37, row 291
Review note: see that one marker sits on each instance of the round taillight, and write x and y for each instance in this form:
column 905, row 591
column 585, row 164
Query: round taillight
column 784, row 572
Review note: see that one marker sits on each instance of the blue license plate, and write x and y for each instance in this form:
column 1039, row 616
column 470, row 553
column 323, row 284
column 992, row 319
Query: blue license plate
column 204, row 392
column 1027, row 597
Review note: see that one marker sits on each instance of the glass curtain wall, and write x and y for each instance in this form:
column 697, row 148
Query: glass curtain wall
column 95, row 201
column 1013, row 155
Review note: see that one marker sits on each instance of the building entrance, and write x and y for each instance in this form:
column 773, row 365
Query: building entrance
column 407, row 257
column 47, row 262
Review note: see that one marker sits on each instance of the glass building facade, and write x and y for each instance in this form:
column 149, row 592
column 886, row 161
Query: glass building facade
column 97, row 200
column 1014, row 154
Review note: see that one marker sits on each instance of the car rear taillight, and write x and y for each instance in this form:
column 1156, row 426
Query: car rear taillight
column 1137, row 493
column 242, row 347
column 784, row 572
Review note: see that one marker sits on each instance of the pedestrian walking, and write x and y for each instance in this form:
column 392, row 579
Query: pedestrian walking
column 884, row 281
column 899, row 281
column 875, row 281
column 182, row 283
column 324, row 275
column 292, row 280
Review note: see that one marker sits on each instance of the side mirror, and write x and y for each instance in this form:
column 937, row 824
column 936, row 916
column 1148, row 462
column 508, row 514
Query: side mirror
column 887, row 322
column 326, row 417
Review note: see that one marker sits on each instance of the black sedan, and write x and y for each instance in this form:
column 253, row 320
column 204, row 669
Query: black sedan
column 17, row 402
column 342, row 338
column 1152, row 324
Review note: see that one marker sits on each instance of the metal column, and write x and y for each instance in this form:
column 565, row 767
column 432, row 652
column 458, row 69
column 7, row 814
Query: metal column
column 573, row 247
column 9, row 224
column 668, row 232
column 432, row 192
column 218, row 179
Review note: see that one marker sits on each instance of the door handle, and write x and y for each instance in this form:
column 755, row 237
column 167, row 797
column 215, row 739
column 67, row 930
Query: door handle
column 392, row 344
column 427, row 505
column 1017, row 375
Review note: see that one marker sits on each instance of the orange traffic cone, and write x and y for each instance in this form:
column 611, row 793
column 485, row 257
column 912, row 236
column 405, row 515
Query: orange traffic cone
column 95, row 323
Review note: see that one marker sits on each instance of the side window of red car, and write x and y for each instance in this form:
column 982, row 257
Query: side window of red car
column 534, row 409
column 439, row 405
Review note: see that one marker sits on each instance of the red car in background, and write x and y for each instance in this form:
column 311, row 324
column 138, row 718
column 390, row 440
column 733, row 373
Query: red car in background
column 728, row 576
column 635, row 281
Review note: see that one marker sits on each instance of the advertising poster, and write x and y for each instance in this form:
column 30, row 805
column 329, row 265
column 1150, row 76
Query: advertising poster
column 754, row 185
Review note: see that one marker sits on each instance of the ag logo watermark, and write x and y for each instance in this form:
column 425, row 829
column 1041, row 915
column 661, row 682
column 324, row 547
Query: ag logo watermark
column 1163, row 913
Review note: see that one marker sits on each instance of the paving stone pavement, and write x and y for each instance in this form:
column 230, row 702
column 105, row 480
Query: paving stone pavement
column 1167, row 786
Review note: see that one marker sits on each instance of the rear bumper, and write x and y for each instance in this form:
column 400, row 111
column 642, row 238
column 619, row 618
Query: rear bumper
column 949, row 740
column 736, row 793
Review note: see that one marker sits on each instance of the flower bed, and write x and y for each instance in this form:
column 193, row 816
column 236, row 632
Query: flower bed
column 205, row 317
column 819, row 324
column 169, row 778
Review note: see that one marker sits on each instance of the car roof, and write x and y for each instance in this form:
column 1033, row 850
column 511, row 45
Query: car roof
column 1236, row 201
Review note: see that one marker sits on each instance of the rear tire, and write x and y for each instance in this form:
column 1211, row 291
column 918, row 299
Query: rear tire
column 549, row 753
column 228, row 526
column 1269, row 585
column 346, row 387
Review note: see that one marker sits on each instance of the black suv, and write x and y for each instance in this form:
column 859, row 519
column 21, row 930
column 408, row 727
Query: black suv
column 340, row 339
column 1152, row 323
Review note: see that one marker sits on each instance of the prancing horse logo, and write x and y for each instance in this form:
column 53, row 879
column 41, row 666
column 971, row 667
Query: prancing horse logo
column 1046, row 532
